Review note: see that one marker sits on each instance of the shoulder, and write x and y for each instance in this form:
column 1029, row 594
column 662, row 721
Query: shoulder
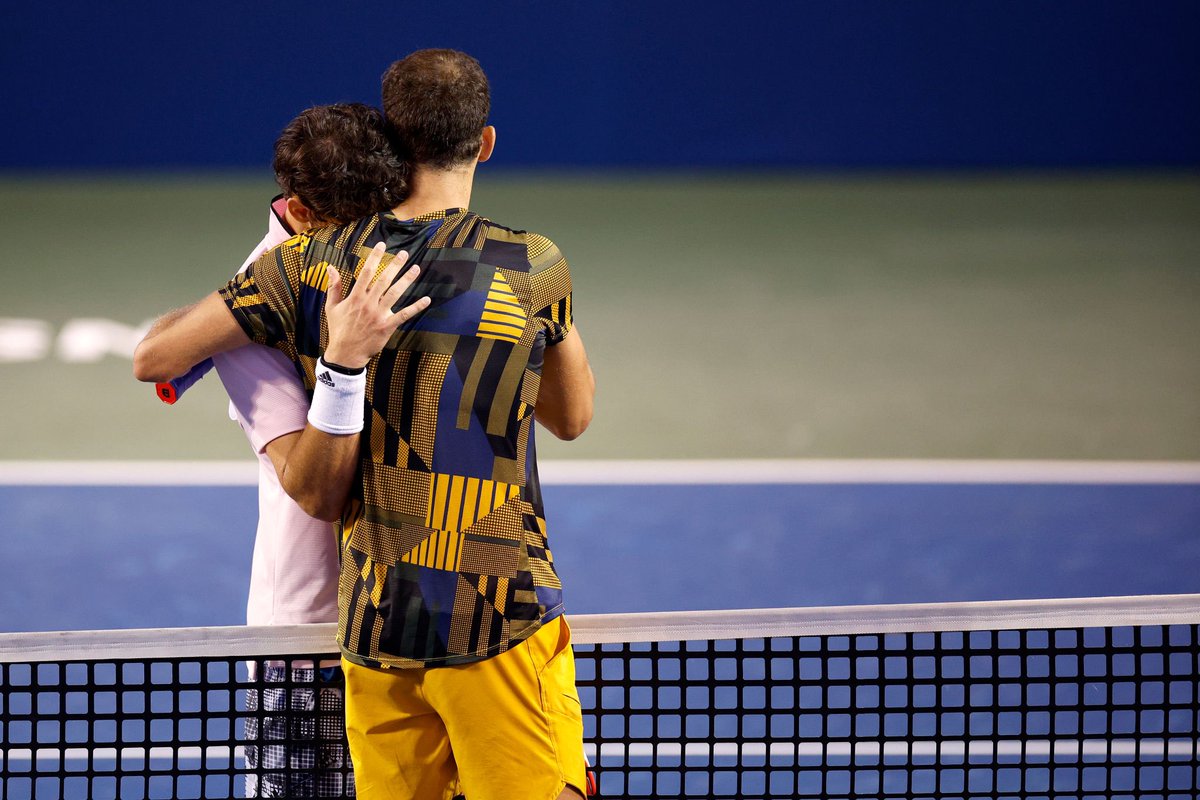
column 541, row 246
column 516, row 234
column 543, row 254
column 540, row 251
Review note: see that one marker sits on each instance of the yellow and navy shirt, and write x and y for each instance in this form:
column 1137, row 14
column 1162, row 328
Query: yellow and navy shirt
column 444, row 555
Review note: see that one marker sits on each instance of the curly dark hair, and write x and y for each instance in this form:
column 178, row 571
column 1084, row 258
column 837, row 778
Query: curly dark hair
column 436, row 103
column 337, row 160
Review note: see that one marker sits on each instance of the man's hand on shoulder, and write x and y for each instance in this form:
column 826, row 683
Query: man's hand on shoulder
column 362, row 322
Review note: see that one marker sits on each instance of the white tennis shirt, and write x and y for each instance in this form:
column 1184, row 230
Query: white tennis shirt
column 294, row 571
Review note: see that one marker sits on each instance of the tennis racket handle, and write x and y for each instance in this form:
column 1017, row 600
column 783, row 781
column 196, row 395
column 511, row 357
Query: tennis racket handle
column 171, row 391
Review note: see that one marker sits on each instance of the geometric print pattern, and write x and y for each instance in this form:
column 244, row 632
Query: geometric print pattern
column 441, row 550
column 445, row 556
column 456, row 503
column 503, row 318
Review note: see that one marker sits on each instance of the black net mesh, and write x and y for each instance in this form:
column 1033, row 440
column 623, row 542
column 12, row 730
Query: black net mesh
column 1039, row 713
column 171, row 728
column 1080, row 713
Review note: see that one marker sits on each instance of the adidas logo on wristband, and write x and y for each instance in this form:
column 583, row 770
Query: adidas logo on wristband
column 338, row 404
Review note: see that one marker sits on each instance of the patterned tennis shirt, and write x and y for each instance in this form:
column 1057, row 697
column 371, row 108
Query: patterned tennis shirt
column 444, row 554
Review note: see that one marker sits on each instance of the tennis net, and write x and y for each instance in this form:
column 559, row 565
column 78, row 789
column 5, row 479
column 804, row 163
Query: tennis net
column 1081, row 698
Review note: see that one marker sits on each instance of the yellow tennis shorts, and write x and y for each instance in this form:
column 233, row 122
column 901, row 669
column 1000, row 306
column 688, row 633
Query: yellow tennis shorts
column 507, row 727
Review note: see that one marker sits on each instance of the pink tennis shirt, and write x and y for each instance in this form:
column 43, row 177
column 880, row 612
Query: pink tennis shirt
column 294, row 571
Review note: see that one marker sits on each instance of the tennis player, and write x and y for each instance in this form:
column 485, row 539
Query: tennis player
column 333, row 163
column 419, row 441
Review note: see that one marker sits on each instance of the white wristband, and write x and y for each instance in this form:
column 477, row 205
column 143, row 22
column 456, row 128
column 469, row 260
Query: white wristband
column 338, row 401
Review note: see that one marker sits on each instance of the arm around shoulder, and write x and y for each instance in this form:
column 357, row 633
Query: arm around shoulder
column 568, row 389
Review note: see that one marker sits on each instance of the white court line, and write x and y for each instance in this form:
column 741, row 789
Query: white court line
column 861, row 753
column 820, row 471
column 652, row 472
column 942, row 752
column 128, row 473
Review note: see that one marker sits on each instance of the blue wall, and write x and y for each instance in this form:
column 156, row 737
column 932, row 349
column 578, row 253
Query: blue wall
column 810, row 83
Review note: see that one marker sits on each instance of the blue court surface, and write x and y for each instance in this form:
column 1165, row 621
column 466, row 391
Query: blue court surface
column 131, row 556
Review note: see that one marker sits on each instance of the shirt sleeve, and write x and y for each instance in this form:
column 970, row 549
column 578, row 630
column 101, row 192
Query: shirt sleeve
column 550, row 283
column 261, row 297
column 266, row 396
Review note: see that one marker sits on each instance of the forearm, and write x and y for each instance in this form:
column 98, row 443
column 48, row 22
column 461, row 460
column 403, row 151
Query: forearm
column 568, row 388
column 180, row 339
column 316, row 469
column 168, row 319
column 152, row 359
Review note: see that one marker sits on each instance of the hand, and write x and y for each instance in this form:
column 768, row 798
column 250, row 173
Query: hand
column 362, row 322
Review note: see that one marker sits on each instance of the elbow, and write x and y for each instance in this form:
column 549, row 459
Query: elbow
column 573, row 430
column 154, row 362
column 322, row 511
column 315, row 503
column 567, row 417
column 148, row 365
column 570, row 427
column 317, row 506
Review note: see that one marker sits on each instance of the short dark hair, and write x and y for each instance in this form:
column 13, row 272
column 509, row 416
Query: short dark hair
column 337, row 160
column 436, row 103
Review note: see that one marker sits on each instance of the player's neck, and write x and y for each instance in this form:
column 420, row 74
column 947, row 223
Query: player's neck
column 437, row 189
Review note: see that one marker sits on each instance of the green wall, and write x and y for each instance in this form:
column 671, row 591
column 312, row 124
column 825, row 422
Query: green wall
column 726, row 316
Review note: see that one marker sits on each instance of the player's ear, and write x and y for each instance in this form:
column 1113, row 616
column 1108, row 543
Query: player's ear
column 299, row 216
column 489, row 143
